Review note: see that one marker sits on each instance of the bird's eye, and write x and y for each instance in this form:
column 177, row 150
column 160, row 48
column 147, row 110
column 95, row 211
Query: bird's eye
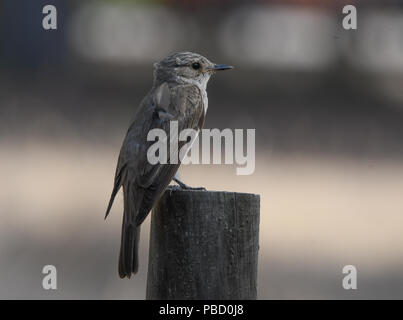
column 196, row 65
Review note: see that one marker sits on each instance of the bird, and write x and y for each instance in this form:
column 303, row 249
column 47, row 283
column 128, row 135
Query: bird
column 178, row 93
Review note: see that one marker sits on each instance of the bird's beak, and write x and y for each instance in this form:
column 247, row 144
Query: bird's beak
column 219, row 67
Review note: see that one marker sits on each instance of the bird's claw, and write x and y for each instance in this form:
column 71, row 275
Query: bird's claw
column 184, row 186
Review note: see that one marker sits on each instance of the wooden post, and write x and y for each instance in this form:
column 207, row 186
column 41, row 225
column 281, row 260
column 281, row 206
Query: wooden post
column 204, row 245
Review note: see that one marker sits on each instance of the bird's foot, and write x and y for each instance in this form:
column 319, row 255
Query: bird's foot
column 186, row 187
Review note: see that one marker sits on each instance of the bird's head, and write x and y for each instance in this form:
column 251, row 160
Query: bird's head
column 187, row 67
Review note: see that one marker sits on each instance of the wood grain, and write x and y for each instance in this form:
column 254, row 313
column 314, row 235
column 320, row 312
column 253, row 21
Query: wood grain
column 204, row 245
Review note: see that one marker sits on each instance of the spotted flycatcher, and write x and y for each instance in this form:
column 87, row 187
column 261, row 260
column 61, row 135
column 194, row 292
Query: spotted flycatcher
column 178, row 94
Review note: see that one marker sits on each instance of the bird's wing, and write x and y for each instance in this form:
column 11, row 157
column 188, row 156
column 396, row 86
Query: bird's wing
column 187, row 105
column 182, row 103
column 135, row 144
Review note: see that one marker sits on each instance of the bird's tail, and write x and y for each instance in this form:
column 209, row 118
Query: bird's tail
column 128, row 258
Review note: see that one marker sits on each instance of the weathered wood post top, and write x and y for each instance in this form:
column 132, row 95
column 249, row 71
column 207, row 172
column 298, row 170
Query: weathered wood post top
column 204, row 245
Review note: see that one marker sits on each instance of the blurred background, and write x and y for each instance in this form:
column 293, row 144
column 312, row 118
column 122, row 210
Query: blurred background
column 326, row 103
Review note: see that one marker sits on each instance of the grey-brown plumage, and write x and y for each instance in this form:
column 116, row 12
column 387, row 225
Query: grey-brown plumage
column 178, row 93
